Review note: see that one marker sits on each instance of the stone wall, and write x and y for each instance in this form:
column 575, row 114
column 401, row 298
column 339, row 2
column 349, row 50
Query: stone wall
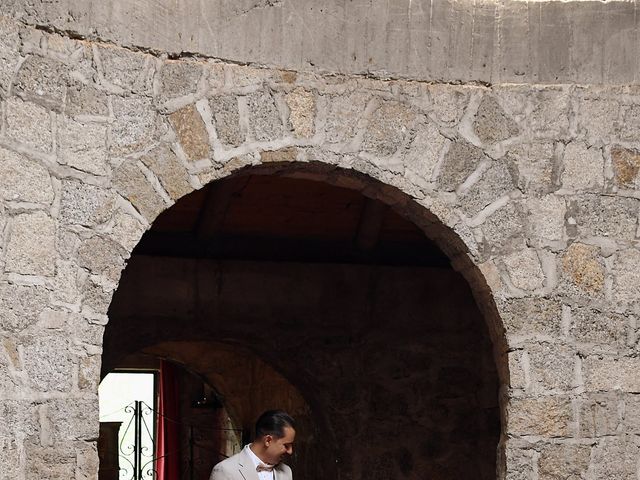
column 535, row 188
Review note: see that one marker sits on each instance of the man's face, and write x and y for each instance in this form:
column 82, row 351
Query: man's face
column 278, row 448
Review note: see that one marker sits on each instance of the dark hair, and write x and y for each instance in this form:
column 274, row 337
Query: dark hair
column 272, row 422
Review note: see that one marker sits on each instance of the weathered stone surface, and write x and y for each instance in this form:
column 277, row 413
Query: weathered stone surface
column 552, row 367
column 519, row 463
column 550, row 116
column 598, row 415
column 130, row 182
column 626, row 283
column 9, row 55
column 84, row 204
column 50, row 462
column 604, row 330
column 95, row 297
column 598, row 118
column 584, row 268
column 86, row 100
column 448, row 103
column 31, row 249
column 583, row 167
column 20, row 306
column 133, row 125
column 496, row 182
column 282, row 155
column 561, row 462
column 388, row 128
column 424, row 151
column 535, row 163
column 49, row 363
column 73, row 420
column 42, row 80
column 227, row 119
column 179, row 78
column 604, row 216
column 171, row 173
column 126, row 230
column 29, row 124
column 524, row 317
column 302, row 111
column 631, row 417
column 89, row 373
column 626, row 165
column 264, row 118
column 616, row 457
column 605, row 373
column 191, row 132
column 524, row 269
column 343, row 116
column 83, row 145
column 459, row 162
column 504, row 230
column 131, row 71
column 492, row 124
column 102, row 256
column 546, row 218
column 23, row 180
column 546, row 416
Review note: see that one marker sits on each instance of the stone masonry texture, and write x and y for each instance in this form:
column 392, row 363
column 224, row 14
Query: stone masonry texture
column 515, row 147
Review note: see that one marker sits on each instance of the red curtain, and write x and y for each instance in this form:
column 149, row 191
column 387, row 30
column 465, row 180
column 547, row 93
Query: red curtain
column 168, row 437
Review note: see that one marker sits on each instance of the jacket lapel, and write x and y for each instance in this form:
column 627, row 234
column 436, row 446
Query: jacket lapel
column 246, row 467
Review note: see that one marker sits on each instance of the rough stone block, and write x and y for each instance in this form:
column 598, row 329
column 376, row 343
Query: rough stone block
column 31, row 248
column 130, row 182
column 73, row 419
column 448, row 103
column 179, row 78
column 631, row 416
column 227, row 119
column 459, row 162
column 49, row 363
column 171, row 173
column 302, row 112
column 545, row 221
column 503, row 231
column 616, row 457
column 126, row 230
column 546, row 416
column 562, row 461
column 388, row 128
column 552, row 367
column 23, row 180
column 583, row 267
column 605, row 216
column 550, row 115
column 531, row 317
column 583, row 167
column 492, row 124
column 630, row 123
column 524, row 269
column 264, row 118
column 607, row 374
column 50, row 462
column 83, row 145
column 424, row 151
column 42, row 80
column 9, row 54
column 131, row 71
column 95, row 297
column 535, row 163
column 602, row 329
column 598, row 415
column 498, row 181
column 20, row 306
column 29, row 124
column 102, row 256
column 84, row 204
column 626, row 165
column 134, row 124
column 86, row 100
column 598, row 118
column 626, row 277
column 519, row 463
column 343, row 116
column 191, row 132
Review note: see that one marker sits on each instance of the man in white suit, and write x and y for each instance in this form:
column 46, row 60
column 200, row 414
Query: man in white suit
column 262, row 459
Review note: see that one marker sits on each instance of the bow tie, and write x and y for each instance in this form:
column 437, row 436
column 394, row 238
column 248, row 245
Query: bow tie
column 265, row 468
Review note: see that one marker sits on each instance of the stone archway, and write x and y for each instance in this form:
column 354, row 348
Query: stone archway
column 405, row 388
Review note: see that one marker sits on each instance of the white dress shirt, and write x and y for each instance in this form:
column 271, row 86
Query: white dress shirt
column 263, row 475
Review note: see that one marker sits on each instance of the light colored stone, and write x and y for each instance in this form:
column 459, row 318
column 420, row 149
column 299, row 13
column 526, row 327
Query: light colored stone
column 524, row 269
column 536, row 164
column 498, row 181
column 598, row 415
column 86, row 100
column 583, row 167
column 84, row 204
column 130, row 182
column 527, row 317
column 191, row 132
column 562, row 462
column 492, row 124
column 598, row 118
column 616, row 457
column 23, row 180
column 606, row 331
column 20, row 306
column 545, row 222
column 264, row 118
column 552, row 367
column 43, row 81
column 388, row 128
column 179, row 78
column 460, row 161
column 605, row 373
column 126, row 230
column 626, row 277
column 131, row 71
column 424, row 151
column 171, row 173
column 83, row 145
column 133, row 126
column 550, row 116
column 9, row 55
column 227, row 119
column 49, row 363
column 302, row 112
column 584, row 267
column 31, row 249
column 102, row 256
column 605, row 216
column 344, row 113
column 29, row 124
column 546, row 416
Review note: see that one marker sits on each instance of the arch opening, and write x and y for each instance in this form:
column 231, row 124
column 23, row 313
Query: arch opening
column 346, row 288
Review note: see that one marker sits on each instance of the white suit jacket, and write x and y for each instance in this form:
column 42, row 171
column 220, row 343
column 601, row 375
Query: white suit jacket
column 241, row 467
